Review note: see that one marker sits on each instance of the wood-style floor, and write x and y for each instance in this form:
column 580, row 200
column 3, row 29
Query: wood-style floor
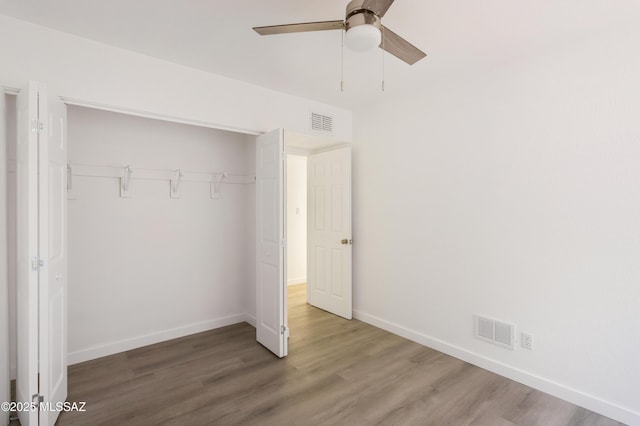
column 338, row 373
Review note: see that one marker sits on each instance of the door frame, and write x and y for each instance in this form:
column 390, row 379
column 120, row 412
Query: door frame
column 303, row 149
column 5, row 375
column 288, row 147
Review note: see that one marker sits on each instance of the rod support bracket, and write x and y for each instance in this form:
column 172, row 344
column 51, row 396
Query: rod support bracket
column 176, row 178
column 215, row 184
column 125, row 182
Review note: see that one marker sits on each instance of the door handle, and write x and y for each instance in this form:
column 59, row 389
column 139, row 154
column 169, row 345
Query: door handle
column 346, row 242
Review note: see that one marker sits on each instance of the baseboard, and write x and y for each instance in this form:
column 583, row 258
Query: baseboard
column 151, row 338
column 250, row 319
column 561, row 391
column 294, row 281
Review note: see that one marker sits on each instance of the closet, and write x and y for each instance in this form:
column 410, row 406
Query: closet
column 160, row 234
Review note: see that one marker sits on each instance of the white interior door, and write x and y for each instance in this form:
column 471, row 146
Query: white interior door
column 53, row 250
column 271, row 298
column 27, row 250
column 41, row 252
column 329, row 248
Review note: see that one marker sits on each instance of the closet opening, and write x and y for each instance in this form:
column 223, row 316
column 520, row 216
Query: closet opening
column 160, row 229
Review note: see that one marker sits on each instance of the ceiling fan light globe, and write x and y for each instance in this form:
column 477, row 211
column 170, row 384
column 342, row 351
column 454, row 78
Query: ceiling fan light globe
column 363, row 37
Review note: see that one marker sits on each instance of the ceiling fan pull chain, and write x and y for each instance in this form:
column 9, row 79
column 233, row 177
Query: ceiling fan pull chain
column 342, row 63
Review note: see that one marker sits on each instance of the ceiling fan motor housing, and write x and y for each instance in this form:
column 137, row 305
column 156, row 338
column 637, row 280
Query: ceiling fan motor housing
column 356, row 6
column 362, row 17
column 357, row 15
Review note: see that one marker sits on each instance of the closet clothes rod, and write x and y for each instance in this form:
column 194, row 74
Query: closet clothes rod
column 155, row 174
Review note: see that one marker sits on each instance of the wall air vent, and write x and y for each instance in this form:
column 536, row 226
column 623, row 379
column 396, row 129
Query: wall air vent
column 493, row 331
column 321, row 123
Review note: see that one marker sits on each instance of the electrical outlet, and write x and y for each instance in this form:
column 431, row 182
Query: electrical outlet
column 526, row 341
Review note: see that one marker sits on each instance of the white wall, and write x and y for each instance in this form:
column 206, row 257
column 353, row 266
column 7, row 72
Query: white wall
column 82, row 69
column 296, row 219
column 513, row 192
column 149, row 268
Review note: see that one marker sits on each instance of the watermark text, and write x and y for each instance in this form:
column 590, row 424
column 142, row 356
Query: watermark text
column 58, row 407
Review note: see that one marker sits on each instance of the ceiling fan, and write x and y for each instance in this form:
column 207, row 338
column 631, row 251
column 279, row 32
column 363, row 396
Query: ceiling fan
column 363, row 30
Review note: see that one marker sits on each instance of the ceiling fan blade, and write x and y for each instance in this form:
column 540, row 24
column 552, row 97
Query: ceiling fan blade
column 399, row 47
column 299, row 28
column 379, row 7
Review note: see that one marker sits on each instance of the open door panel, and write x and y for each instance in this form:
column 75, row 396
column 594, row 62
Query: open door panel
column 271, row 297
column 27, row 250
column 329, row 244
column 53, row 250
column 41, row 178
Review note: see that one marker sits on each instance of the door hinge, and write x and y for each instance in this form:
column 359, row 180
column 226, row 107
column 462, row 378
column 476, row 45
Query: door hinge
column 36, row 398
column 284, row 330
column 36, row 263
column 36, row 126
column 283, row 242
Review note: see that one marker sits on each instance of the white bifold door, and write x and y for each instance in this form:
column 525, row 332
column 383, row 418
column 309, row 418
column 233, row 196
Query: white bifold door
column 41, row 254
column 329, row 244
column 271, row 297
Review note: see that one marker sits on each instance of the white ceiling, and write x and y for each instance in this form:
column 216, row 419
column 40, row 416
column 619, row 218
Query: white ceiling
column 216, row 36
